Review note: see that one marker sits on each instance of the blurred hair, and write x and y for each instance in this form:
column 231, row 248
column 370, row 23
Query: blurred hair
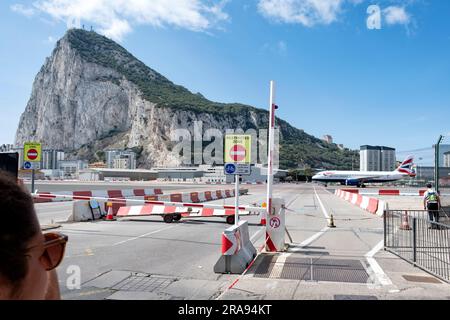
column 18, row 225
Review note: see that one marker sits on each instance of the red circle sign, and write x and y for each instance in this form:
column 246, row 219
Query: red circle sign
column 32, row 154
column 238, row 152
column 275, row 222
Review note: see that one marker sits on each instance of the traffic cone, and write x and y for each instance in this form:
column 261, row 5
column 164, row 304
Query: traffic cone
column 331, row 222
column 263, row 221
column 405, row 222
column 110, row 215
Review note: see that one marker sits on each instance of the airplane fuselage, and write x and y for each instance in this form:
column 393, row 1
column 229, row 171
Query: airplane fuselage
column 363, row 176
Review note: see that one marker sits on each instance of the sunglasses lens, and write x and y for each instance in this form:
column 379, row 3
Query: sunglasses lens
column 53, row 254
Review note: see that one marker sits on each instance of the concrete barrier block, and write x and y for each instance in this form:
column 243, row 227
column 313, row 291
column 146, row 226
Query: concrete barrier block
column 81, row 211
column 237, row 250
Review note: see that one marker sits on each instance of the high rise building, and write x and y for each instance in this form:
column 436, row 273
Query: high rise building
column 377, row 158
column 443, row 149
column 447, row 159
column 51, row 159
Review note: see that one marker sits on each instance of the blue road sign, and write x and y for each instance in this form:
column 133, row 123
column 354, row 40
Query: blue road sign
column 27, row 165
column 230, row 168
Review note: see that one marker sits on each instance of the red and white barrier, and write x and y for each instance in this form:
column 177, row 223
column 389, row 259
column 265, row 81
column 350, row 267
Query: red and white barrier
column 118, row 199
column 276, row 226
column 149, row 210
column 388, row 192
column 121, row 202
column 80, row 195
column 371, row 205
column 237, row 250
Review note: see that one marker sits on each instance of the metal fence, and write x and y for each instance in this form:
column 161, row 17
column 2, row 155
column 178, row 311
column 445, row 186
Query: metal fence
column 413, row 237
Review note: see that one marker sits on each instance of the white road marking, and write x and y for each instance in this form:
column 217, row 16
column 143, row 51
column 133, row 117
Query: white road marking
column 325, row 213
column 310, row 240
column 256, row 235
column 142, row 236
column 382, row 277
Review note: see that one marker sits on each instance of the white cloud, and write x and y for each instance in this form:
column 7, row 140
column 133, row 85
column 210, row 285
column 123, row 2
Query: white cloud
column 117, row 18
column 396, row 15
column 21, row 9
column 305, row 12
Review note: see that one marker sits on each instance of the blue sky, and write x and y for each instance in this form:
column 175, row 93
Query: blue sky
column 334, row 75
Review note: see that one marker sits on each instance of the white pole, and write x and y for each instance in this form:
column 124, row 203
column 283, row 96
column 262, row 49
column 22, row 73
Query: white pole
column 236, row 200
column 270, row 148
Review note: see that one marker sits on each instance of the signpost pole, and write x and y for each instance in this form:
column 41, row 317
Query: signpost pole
column 236, row 200
column 32, row 180
column 32, row 152
column 270, row 149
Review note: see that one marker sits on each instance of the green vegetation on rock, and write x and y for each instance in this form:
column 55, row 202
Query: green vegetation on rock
column 297, row 148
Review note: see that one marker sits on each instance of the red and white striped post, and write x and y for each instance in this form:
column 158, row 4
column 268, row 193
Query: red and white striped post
column 271, row 148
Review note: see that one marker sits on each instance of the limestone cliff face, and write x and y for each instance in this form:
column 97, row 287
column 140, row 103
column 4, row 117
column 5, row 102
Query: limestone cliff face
column 75, row 104
column 91, row 95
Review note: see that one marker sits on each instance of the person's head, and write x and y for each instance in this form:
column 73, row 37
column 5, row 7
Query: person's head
column 429, row 186
column 26, row 256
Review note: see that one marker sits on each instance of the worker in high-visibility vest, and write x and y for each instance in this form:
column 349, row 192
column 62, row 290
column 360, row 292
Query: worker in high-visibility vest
column 432, row 203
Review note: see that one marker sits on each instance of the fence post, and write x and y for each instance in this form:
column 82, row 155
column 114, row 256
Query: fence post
column 414, row 239
column 385, row 229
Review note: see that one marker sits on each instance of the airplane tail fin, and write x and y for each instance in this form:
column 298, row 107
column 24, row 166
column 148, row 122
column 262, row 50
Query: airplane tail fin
column 407, row 167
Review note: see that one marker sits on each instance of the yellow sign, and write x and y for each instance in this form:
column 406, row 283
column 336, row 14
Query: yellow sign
column 238, row 148
column 32, row 152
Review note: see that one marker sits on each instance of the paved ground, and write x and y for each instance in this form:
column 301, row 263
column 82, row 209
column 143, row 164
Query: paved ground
column 148, row 259
column 327, row 263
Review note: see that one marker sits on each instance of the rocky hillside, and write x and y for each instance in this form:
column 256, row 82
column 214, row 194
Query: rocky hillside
column 92, row 94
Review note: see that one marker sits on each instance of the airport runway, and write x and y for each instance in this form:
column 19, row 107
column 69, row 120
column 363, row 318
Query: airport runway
column 148, row 259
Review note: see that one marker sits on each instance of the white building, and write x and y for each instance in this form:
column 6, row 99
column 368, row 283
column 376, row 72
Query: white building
column 443, row 149
column 51, row 159
column 71, row 168
column 215, row 174
column 328, row 139
column 376, row 158
column 125, row 159
column 447, row 159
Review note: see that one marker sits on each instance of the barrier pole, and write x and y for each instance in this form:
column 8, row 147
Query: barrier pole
column 236, row 200
column 270, row 149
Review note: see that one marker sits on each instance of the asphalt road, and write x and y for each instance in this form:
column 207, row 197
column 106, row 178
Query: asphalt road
column 147, row 259
column 54, row 186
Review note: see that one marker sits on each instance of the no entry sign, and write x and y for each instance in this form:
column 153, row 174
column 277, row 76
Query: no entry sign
column 32, row 152
column 238, row 148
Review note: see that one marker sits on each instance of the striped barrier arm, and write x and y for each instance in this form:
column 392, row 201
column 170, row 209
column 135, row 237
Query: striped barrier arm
column 149, row 210
column 163, row 203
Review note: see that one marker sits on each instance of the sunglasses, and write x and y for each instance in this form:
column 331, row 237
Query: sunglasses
column 54, row 248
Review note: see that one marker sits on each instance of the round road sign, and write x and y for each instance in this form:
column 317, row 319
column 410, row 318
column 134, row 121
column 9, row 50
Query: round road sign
column 27, row 165
column 275, row 222
column 230, row 168
column 32, row 154
column 238, row 152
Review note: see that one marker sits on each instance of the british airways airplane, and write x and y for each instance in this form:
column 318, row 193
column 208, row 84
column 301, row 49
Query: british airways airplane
column 358, row 178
